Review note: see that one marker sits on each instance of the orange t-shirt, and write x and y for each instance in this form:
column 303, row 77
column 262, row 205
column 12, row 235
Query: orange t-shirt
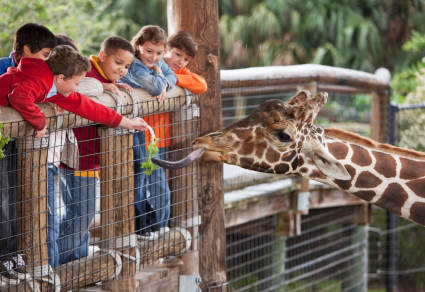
column 160, row 123
column 191, row 81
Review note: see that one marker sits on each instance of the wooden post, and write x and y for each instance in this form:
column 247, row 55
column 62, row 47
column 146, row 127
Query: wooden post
column 378, row 115
column 117, row 197
column 200, row 18
column 379, row 107
column 305, row 182
column 32, row 185
column 184, row 190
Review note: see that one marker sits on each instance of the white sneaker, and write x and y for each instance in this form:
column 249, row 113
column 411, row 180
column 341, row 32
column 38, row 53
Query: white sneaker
column 163, row 230
column 93, row 249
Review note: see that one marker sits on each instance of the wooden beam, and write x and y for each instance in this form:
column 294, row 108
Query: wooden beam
column 117, row 209
column 32, row 207
column 200, row 18
column 257, row 207
column 295, row 74
column 378, row 115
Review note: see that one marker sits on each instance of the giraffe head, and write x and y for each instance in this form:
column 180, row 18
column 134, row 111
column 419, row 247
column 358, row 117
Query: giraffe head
column 277, row 137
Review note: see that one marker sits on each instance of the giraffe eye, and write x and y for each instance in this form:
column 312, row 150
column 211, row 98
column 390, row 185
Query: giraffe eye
column 282, row 136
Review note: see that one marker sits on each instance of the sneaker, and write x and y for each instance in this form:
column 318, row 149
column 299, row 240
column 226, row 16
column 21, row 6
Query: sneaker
column 163, row 230
column 93, row 249
column 149, row 235
column 6, row 269
column 19, row 262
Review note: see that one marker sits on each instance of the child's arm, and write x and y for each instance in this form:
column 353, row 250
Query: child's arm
column 191, row 81
column 168, row 74
column 22, row 97
column 134, row 124
column 88, row 109
column 141, row 77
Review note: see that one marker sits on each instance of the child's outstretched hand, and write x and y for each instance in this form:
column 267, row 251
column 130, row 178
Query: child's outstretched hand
column 58, row 109
column 41, row 133
column 134, row 124
column 124, row 86
column 162, row 96
column 110, row 87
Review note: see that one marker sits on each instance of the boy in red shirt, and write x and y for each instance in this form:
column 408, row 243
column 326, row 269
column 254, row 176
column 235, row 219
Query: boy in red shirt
column 112, row 63
column 181, row 49
column 35, row 41
column 31, row 82
column 115, row 56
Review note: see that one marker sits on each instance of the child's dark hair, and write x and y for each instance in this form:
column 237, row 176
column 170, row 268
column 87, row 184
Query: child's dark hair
column 62, row 39
column 149, row 33
column 33, row 35
column 113, row 43
column 65, row 60
column 184, row 41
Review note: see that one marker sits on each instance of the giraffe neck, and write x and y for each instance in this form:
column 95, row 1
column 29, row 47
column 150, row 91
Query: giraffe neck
column 392, row 181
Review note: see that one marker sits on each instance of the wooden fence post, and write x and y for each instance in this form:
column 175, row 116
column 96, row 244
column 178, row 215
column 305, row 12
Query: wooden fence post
column 32, row 207
column 117, row 197
column 200, row 18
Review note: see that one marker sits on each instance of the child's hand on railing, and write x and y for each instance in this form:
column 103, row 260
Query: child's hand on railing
column 162, row 96
column 110, row 87
column 41, row 133
column 124, row 86
column 134, row 124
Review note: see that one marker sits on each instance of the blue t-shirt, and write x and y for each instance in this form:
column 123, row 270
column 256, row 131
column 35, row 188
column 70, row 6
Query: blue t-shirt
column 7, row 62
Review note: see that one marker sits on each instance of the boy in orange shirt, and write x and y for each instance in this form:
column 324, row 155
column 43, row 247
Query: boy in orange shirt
column 181, row 49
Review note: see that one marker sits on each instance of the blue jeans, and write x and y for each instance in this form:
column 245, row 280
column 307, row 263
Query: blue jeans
column 151, row 192
column 79, row 197
column 53, row 218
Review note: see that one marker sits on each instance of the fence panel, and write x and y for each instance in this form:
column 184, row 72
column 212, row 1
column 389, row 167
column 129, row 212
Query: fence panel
column 77, row 206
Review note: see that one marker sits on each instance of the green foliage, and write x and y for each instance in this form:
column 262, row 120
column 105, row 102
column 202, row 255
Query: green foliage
column 148, row 165
column 405, row 81
column 131, row 15
column 3, row 141
column 85, row 21
column 351, row 34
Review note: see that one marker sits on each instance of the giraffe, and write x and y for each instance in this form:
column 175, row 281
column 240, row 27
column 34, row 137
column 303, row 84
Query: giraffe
column 281, row 138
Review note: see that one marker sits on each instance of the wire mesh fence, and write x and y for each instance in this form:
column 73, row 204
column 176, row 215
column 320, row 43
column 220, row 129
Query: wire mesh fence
column 329, row 255
column 79, row 208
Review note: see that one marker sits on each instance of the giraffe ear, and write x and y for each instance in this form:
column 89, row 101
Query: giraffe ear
column 326, row 163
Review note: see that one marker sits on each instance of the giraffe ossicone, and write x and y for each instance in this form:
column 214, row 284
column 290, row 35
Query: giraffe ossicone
column 280, row 137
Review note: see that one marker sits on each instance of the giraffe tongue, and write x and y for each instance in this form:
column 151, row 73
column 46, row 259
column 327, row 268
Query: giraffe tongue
column 181, row 163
